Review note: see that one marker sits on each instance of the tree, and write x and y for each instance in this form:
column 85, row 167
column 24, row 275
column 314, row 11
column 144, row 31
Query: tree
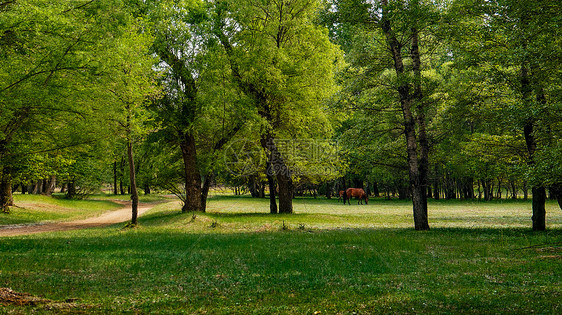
column 397, row 38
column 50, row 69
column 518, row 45
column 284, row 63
column 199, row 112
column 133, row 83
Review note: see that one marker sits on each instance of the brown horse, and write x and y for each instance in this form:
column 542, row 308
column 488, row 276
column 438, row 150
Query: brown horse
column 359, row 193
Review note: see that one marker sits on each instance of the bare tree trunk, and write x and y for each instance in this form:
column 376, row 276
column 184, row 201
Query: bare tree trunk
column 50, row 185
column 513, row 189
column 122, row 168
column 133, row 184
column 6, row 197
column 115, row 177
column 539, row 209
column 205, row 190
column 556, row 190
column 272, row 189
column 192, row 175
column 285, row 183
column 71, row 189
column 278, row 168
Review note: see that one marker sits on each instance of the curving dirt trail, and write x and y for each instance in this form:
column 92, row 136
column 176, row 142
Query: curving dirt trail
column 107, row 218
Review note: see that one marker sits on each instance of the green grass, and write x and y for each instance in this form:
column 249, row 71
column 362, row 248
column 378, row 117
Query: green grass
column 36, row 208
column 478, row 258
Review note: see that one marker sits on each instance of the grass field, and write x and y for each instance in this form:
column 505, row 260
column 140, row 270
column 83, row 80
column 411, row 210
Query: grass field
column 327, row 258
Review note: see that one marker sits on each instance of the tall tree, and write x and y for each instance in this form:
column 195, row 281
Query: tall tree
column 198, row 113
column 285, row 63
column 518, row 44
column 50, row 65
column 399, row 38
column 133, row 83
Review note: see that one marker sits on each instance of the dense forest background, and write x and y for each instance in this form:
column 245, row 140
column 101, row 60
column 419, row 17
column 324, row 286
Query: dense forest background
column 407, row 99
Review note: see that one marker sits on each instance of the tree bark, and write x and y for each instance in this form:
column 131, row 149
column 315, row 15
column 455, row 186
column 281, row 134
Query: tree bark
column 285, row 183
column 192, row 175
column 417, row 167
column 556, row 190
column 205, row 190
column 50, row 185
column 272, row 189
column 6, row 197
column 539, row 209
column 71, row 189
column 279, row 169
column 115, row 177
column 122, row 169
column 133, row 184
column 538, row 191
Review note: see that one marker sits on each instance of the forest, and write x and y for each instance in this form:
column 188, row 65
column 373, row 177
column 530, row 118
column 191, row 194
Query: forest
column 408, row 99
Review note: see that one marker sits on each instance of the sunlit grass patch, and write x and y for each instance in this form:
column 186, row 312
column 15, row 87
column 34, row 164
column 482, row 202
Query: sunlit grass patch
column 37, row 208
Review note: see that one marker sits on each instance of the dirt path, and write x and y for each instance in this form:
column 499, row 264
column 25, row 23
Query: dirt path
column 107, row 218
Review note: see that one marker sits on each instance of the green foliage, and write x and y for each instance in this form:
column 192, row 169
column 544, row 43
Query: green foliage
column 56, row 96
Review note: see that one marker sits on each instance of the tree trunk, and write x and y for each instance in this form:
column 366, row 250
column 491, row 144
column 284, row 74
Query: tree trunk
column 272, row 188
column 192, row 175
column 513, row 189
column 122, row 169
column 205, row 190
column 115, row 177
column 417, row 167
column 133, row 183
column 499, row 192
column 376, row 189
column 50, row 185
column 539, row 211
column 71, row 189
column 556, row 190
column 538, row 191
column 6, row 197
column 285, row 183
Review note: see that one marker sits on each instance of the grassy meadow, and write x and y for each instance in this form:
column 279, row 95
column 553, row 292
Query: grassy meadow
column 326, row 258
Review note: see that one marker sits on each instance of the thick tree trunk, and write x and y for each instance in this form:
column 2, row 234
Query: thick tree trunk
column 133, row 184
column 285, row 183
column 71, row 189
column 6, row 197
column 192, row 175
column 50, row 185
column 539, row 209
column 272, row 189
column 278, row 168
